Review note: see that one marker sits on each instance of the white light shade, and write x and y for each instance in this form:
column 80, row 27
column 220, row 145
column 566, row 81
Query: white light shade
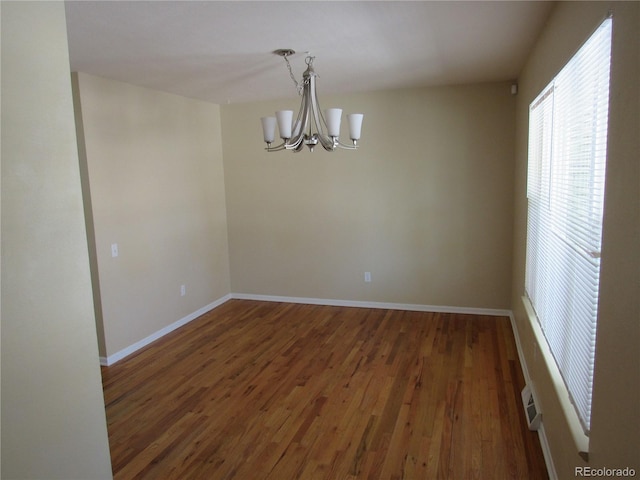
column 285, row 118
column 333, row 117
column 269, row 128
column 355, row 125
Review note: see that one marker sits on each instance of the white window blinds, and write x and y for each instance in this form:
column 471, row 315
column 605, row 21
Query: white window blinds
column 565, row 190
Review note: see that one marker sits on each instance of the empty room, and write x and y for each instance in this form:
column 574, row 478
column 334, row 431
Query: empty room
column 320, row 240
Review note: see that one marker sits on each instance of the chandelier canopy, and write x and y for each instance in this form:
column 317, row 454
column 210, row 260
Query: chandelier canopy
column 312, row 125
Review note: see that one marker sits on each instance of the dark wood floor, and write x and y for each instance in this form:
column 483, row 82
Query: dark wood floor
column 260, row 390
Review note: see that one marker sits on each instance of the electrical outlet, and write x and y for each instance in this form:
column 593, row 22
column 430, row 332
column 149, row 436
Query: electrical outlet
column 183, row 290
column 367, row 277
column 114, row 250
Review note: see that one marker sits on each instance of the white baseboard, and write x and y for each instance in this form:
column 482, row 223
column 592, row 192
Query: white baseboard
column 111, row 359
column 544, row 443
column 382, row 305
column 546, row 452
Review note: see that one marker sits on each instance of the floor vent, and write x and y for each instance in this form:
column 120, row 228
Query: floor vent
column 531, row 412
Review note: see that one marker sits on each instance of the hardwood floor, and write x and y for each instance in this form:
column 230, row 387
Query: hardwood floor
column 260, row 390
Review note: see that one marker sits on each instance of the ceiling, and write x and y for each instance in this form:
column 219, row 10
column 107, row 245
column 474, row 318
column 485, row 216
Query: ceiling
column 220, row 51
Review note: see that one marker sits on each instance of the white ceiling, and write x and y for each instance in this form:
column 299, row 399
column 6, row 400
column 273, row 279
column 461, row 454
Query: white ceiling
column 220, row 51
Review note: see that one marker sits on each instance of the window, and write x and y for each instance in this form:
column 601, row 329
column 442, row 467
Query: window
column 565, row 191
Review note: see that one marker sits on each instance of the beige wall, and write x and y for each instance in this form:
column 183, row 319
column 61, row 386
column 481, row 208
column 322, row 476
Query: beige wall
column 154, row 165
column 53, row 420
column 615, row 434
column 425, row 204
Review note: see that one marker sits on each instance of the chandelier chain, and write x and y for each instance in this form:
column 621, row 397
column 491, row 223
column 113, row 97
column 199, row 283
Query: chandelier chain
column 299, row 87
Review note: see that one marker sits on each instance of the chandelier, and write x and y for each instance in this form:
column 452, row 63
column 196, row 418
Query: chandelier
column 312, row 125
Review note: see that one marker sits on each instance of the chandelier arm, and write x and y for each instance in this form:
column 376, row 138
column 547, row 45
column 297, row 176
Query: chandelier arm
column 315, row 107
column 277, row 148
column 293, row 145
column 303, row 118
column 342, row 146
column 293, row 142
column 327, row 142
column 347, row 147
column 299, row 147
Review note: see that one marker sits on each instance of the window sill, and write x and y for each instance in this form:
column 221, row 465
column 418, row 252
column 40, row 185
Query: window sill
column 580, row 439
